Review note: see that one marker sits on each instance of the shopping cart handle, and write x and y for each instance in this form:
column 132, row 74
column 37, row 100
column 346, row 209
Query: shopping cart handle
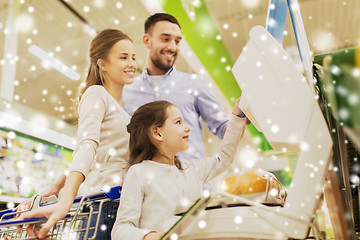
column 16, row 222
column 113, row 193
column 6, row 212
column 22, row 221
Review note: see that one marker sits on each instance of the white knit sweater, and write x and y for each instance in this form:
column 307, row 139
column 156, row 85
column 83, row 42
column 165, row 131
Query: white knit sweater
column 102, row 139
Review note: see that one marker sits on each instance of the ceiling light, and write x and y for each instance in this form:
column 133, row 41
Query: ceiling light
column 99, row 3
column 196, row 3
column 86, row 8
column 119, row 5
column 24, row 23
column 53, row 62
column 31, row 9
column 251, row 3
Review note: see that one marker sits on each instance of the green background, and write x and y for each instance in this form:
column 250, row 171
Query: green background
column 201, row 36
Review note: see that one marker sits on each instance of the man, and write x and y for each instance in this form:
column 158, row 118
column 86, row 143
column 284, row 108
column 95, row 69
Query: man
column 161, row 81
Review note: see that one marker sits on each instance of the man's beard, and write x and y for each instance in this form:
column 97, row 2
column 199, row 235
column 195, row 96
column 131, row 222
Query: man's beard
column 157, row 63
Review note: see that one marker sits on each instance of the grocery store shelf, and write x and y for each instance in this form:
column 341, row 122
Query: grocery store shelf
column 6, row 199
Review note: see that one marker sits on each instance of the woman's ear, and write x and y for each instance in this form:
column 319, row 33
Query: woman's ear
column 101, row 64
column 155, row 133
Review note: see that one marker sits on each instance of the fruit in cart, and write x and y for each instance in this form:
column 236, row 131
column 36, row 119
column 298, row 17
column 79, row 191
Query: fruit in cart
column 251, row 181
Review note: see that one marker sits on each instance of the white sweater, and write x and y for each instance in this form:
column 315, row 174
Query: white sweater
column 151, row 190
column 102, row 139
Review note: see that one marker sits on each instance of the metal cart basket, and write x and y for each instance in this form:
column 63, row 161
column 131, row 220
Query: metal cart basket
column 78, row 224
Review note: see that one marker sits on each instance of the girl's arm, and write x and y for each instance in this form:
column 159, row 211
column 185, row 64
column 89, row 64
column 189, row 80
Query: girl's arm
column 213, row 166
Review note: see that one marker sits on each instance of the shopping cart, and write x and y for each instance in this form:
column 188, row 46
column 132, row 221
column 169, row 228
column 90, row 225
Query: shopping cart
column 78, row 224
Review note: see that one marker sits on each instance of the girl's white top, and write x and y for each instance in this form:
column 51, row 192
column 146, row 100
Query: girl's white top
column 151, row 190
column 102, row 139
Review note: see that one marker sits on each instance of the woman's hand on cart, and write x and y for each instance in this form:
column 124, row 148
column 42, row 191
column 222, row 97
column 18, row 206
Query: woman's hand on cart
column 53, row 189
column 25, row 205
column 53, row 213
column 33, row 203
column 33, row 231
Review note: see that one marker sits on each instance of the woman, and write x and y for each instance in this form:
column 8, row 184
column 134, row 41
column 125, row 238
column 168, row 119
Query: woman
column 102, row 140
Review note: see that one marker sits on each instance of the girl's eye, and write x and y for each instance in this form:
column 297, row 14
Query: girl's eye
column 178, row 122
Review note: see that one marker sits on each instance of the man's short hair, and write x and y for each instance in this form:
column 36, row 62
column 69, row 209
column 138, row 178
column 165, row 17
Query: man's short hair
column 157, row 17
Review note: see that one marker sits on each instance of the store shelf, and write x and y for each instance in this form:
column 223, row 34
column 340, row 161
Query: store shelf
column 36, row 130
column 6, row 199
column 353, row 135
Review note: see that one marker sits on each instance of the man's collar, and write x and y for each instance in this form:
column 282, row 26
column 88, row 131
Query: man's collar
column 145, row 73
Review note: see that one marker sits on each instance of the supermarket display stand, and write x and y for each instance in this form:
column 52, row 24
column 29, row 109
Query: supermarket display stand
column 282, row 105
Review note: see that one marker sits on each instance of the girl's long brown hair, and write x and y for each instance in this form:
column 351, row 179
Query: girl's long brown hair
column 142, row 146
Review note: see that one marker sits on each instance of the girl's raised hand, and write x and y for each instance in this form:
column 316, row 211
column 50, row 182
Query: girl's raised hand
column 153, row 236
column 237, row 111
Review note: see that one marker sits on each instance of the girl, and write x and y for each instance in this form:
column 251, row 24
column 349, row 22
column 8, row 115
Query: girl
column 157, row 180
column 102, row 140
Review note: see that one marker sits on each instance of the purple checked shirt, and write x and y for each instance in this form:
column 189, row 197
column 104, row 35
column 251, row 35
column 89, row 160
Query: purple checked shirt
column 191, row 94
